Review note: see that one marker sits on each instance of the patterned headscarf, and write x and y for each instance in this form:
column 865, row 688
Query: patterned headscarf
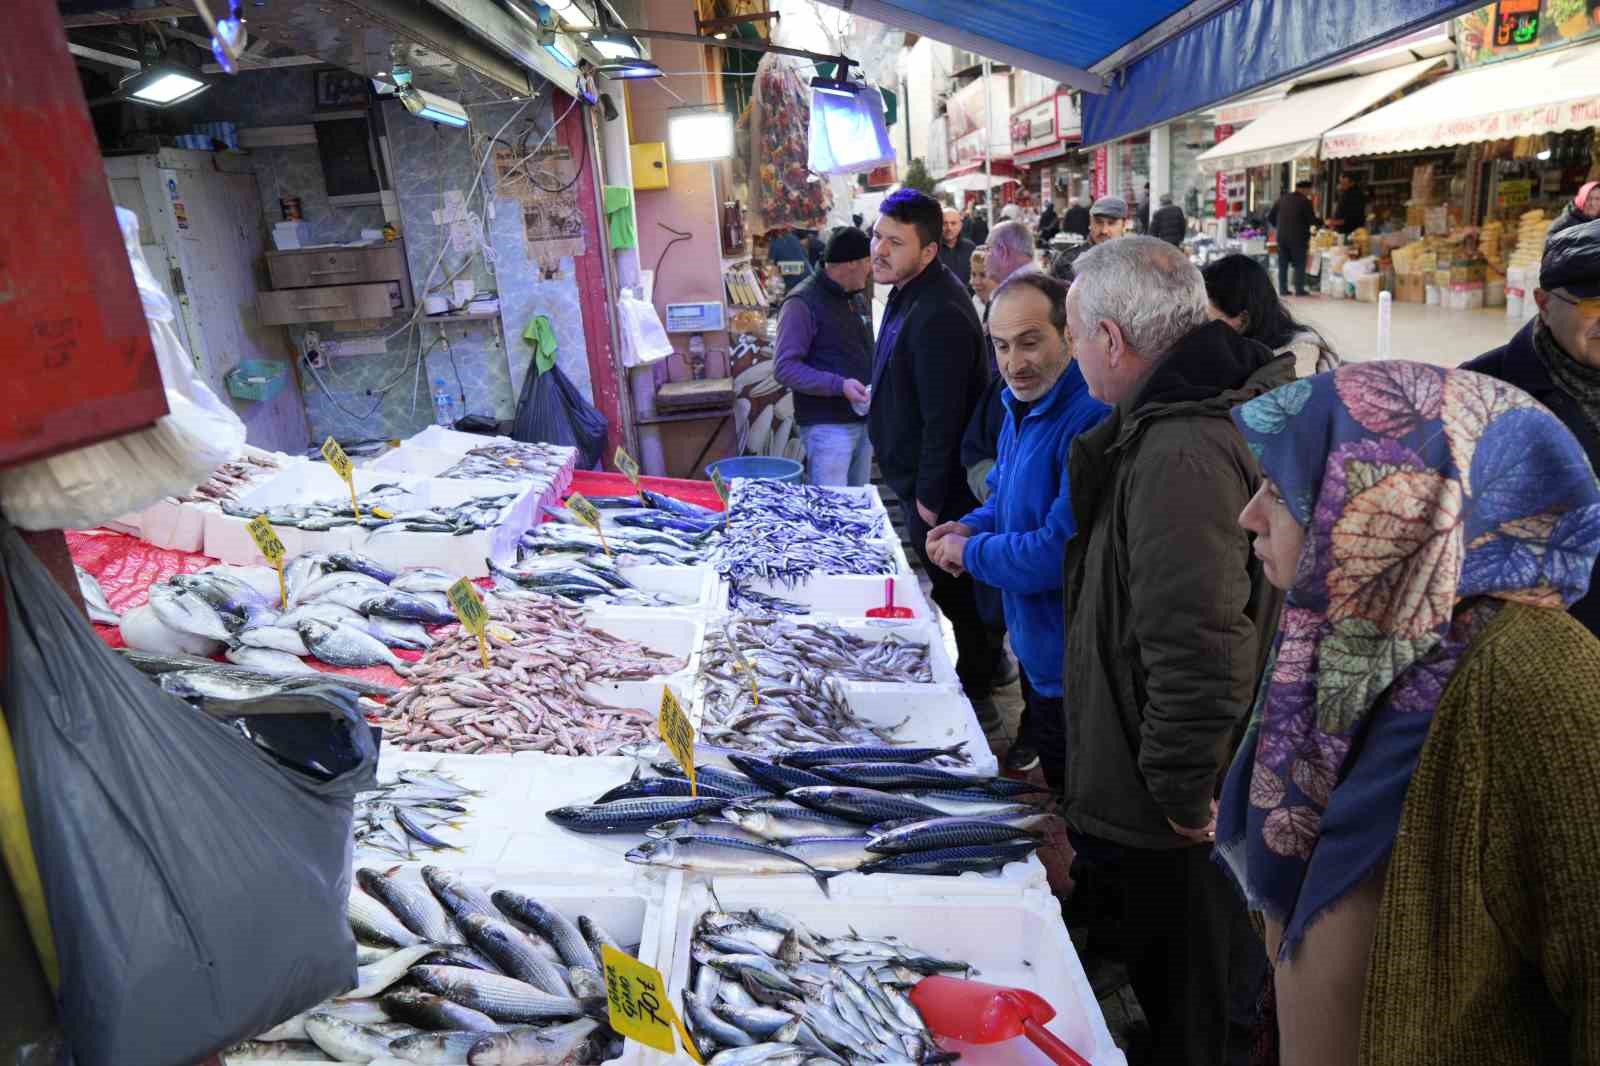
column 1429, row 498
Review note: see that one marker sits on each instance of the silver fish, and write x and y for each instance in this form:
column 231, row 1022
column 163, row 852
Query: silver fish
column 94, row 599
column 186, row 612
column 301, row 1050
column 423, row 580
column 267, row 660
column 441, row 1049
column 275, row 638
column 505, row 999
column 397, row 633
column 345, row 645
column 346, row 1041
column 372, row 980
column 412, row 904
column 529, row 1046
column 374, row 923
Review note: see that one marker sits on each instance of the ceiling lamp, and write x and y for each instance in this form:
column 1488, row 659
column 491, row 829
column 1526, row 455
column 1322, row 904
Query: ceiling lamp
column 699, row 134
column 629, row 68
column 561, row 48
column 433, row 107
column 616, row 45
column 570, row 14
column 162, row 85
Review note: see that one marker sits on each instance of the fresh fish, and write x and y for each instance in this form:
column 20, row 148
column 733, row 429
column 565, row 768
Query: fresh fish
column 682, row 828
column 330, row 613
column 781, row 819
column 814, row 757
column 275, row 638
column 865, row 806
column 443, row 1049
column 460, row 897
column 595, row 935
column 373, row 923
column 94, row 599
column 936, row 833
column 973, row 802
column 776, row 777
column 267, row 660
column 706, row 1024
column 346, row 1041
column 549, row 923
column 372, row 980
column 514, row 953
column 406, row 607
column 761, row 1055
column 888, row 775
column 414, row 906
column 760, row 1022
column 367, row 954
column 397, row 633
column 321, row 587
column 532, row 1046
column 725, row 855
column 660, row 787
column 428, row 1011
column 729, row 781
column 143, row 630
column 184, row 611
column 276, row 1051
column 948, row 862
column 423, row 580
column 344, row 645
column 360, row 564
column 262, row 579
column 631, row 815
column 831, row 853
column 301, row 571
column 504, row 999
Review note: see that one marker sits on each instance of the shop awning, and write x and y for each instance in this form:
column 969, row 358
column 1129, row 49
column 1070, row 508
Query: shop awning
column 977, row 182
column 1293, row 127
column 1544, row 93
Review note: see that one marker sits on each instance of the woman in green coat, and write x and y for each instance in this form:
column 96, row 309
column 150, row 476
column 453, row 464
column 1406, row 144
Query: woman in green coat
column 1413, row 811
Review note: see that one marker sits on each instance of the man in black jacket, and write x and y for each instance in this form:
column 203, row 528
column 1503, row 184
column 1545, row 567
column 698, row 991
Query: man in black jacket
column 1076, row 220
column 1555, row 358
column 928, row 372
column 955, row 250
column 1168, row 223
column 1294, row 216
column 1351, row 214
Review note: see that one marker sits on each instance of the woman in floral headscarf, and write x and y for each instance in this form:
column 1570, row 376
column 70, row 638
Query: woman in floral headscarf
column 1413, row 810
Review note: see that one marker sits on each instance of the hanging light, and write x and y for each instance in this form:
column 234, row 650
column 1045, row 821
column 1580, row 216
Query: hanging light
column 629, row 69
column 433, row 107
column 561, row 48
column 616, row 45
column 162, row 85
column 699, row 134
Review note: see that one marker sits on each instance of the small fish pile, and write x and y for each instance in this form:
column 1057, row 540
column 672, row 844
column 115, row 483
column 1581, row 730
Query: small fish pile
column 450, row 973
column 764, row 988
column 389, row 509
column 800, row 669
column 229, row 480
column 566, row 537
column 343, row 609
column 402, row 813
column 760, row 502
column 870, row 809
column 586, row 579
column 512, row 461
column 94, row 598
column 533, row 697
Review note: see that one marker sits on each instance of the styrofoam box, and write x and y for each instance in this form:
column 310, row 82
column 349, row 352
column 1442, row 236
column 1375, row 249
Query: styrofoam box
column 696, row 586
column 845, row 595
column 170, row 524
column 679, row 635
column 871, row 500
column 479, row 840
column 914, row 630
column 467, row 554
column 228, row 538
column 931, row 719
column 408, row 461
column 450, row 440
column 1015, row 942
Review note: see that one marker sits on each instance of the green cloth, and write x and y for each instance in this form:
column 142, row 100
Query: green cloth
column 542, row 335
column 619, row 210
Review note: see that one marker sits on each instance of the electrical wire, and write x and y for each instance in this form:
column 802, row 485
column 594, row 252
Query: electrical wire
column 677, row 235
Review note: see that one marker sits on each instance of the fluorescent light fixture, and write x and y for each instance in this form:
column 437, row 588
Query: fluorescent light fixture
column 629, row 68
column 835, row 87
column 699, row 134
column 432, row 107
column 570, row 14
column 616, row 45
column 1543, row 155
column 162, row 85
column 561, row 48
column 847, row 132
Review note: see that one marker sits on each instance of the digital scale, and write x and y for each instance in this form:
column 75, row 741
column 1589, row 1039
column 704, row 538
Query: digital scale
column 703, row 317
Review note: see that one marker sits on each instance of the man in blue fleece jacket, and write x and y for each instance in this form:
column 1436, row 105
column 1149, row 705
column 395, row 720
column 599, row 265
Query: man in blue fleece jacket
column 1017, row 539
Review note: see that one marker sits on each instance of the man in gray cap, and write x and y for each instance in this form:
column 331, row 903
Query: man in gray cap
column 1555, row 358
column 1108, row 219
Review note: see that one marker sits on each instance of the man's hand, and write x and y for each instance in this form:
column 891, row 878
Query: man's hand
column 1206, row 834
column 945, row 529
column 950, row 554
column 855, row 392
column 929, row 516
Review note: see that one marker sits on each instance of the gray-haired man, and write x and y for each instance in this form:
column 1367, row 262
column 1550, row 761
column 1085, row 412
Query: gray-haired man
column 1168, row 619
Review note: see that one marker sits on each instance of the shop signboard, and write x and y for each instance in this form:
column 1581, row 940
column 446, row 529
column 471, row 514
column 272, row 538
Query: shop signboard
column 967, row 113
column 1220, row 197
column 1515, row 192
column 1510, row 28
column 1042, row 129
column 1102, row 168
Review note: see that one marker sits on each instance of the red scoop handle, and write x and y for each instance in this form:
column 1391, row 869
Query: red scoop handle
column 1055, row 1049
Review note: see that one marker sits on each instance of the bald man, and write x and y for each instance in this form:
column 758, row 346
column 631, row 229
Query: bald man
column 955, row 251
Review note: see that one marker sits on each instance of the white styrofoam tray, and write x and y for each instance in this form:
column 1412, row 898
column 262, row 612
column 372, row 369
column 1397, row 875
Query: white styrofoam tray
column 449, row 440
column 409, row 461
column 228, row 538
column 467, row 554
column 843, row 595
column 696, row 586
column 931, row 719
column 1015, row 942
column 867, row 494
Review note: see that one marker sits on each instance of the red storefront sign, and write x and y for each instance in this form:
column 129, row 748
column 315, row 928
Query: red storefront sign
column 1223, row 132
column 1102, row 169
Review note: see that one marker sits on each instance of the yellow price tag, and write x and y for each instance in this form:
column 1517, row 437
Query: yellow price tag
column 463, row 596
column 674, row 727
column 266, row 539
column 637, row 1001
column 341, row 466
column 630, row 470
column 720, row 483
column 589, row 514
column 744, row 664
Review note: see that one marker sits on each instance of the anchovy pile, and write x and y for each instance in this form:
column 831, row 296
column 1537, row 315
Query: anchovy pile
column 343, row 609
column 388, row 509
column 783, row 533
column 759, row 502
column 799, row 699
column 533, row 696
column 512, row 461
column 871, row 809
column 451, row 972
column 765, row 989
column 403, row 815
column 229, row 480
column 587, row 579
column 627, row 546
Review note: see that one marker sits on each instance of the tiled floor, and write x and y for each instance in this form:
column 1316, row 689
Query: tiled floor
column 1417, row 331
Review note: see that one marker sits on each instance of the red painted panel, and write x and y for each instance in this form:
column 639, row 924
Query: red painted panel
column 76, row 349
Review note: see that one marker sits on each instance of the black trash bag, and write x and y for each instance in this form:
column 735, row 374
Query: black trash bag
column 552, row 411
column 196, row 886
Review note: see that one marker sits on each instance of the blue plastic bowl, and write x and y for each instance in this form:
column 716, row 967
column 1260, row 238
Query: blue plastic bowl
column 763, row 466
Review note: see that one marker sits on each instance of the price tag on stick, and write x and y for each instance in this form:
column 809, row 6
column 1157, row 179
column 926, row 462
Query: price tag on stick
column 744, row 664
column 589, row 514
column 266, row 539
column 675, row 729
column 341, row 466
column 630, row 470
column 638, row 1004
column 463, row 596
column 720, row 483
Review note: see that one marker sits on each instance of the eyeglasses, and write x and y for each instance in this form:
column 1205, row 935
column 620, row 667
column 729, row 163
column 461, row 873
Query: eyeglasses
column 1589, row 305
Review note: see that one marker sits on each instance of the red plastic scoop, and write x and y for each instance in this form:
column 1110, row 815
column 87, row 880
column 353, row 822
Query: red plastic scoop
column 889, row 610
column 978, row 1013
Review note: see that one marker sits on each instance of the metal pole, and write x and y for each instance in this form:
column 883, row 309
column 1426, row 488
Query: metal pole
column 988, row 147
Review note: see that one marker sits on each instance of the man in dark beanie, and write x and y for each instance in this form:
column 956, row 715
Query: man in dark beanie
column 824, row 357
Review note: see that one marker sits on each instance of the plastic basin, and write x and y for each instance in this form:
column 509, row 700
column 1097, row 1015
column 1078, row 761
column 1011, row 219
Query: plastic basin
column 762, row 466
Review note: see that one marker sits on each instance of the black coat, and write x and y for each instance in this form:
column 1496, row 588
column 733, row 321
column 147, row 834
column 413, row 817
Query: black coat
column 928, row 372
column 1516, row 363
column 1294, row 217
column 1352, row 210
column 1570, row 216
column 1168, row 224
column 958, row 260
column 1076, row 220
column 1049, row 224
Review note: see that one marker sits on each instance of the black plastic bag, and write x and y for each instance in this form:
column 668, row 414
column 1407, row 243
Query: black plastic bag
column 196, row 887
column 552, row 411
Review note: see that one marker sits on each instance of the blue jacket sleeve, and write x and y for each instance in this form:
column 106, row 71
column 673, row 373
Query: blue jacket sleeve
column 983, row 519
column 1028, row 562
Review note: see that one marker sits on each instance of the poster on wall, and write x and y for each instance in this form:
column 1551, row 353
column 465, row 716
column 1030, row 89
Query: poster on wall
column 544, row 188
column 1511, row 28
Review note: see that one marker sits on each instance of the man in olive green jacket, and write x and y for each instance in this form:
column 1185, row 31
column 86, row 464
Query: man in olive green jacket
column 1169, row 620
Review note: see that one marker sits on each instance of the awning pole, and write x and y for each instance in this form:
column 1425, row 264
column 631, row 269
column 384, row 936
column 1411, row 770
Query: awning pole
column 988, row 147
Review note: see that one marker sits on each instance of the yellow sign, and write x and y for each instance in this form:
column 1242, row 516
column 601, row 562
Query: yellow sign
column 589, row 514
column 720, row 483
column 640, row 1009
column 744, row 664
column 266, row 539
column 675, row 729
column 341, row 466
column 630, row 469
column 463, row 596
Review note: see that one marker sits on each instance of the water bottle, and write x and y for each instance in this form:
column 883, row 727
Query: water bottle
column 444, row 404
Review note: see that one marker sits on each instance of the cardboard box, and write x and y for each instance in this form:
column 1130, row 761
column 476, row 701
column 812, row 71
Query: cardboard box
column 1367, row 288
column 1440, row 279
column 1411, row 288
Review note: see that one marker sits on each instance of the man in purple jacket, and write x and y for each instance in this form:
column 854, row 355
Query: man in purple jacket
column 824, row 355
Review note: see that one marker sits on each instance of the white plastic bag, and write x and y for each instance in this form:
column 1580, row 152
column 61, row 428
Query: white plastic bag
column 644, row 339
column 93, row 484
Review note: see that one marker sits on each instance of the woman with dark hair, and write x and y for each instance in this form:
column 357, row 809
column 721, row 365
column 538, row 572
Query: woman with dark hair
column 1242, row 295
